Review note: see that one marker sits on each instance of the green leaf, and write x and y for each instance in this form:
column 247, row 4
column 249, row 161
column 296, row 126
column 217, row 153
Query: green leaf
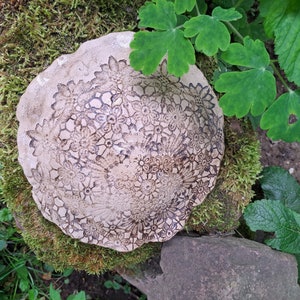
column 211, row 34
column 251, row 54
column 68, row 272
column 150, row 47
column 245, row 4
column 3, row 245
column 109, row 284
column 127, row 289
column 54, row 294
column 5, row 215
column 282, row 119
column 287, row 45
column 283, row 18
column 226, row 14
column 251, row 90
column 22, row 271
column 24, row 285
column 273, row 216
column 181, row 6
column 272, row 11
column 79, row 296
column 160, row 15
column 32, row 294
column 278, row 184
column 298, row 262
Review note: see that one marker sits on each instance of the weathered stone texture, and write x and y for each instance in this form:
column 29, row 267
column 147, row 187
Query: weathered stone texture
column 212, row 268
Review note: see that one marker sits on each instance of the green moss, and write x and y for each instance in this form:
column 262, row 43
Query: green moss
column 221, row 210
column 31, row 38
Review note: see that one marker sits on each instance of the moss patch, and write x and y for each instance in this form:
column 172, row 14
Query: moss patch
column 221, row 210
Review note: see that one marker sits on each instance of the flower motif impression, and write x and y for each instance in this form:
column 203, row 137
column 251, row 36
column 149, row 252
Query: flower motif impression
column 146, row 110
column 123, row 157
column 110, row 118
column 44, row 137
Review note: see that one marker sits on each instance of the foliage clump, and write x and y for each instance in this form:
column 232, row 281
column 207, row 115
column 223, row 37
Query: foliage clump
column 245, row 75
column 279, row 211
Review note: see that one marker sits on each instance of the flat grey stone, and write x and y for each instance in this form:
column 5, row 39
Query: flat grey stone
column 214, row 268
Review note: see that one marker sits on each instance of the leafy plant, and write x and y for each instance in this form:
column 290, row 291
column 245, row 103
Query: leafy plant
column 279, row 212
column 19, row 268
column 22, row 275
column 55, row 294
column 118, row 283
column 245, row 74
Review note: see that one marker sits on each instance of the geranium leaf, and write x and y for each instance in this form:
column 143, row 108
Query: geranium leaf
column 160, row 15
column 273, row 216
column 148, row 49
column 181, row 6
column 251, row 54
column 226, row 14
column 239, row 99
column 283, row 19
column 211, row 34
column 282, row 119
column 278, row 184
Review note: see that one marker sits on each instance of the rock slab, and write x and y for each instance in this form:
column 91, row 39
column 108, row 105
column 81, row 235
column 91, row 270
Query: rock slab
column 214, row 268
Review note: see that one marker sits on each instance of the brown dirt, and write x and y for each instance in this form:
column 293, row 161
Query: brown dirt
column 278, row 153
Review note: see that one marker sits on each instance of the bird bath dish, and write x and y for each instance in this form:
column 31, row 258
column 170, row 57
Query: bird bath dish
column 116, row 158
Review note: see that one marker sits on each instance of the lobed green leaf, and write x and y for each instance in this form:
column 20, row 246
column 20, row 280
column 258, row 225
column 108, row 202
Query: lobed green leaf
column 160, row 15
column 278, row 184
column 282, row 119
column 181, row 6
column 282, row 18
column 211, row 34
column 148, row 49
column 245, row 4
column 273, row 216
column 272, row 11
column 54, row 294
column 226, row 14
column 251, row 54
column 248, row 91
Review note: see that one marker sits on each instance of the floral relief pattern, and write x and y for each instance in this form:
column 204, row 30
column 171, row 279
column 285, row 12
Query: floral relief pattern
column 128, row 156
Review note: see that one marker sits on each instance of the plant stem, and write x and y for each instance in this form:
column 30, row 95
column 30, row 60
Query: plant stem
column 197, row 9
column 276, row 71
column 235, row 31
column 238, row 3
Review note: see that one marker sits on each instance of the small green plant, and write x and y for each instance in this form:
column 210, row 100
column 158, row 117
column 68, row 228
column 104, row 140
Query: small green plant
column 22, row 275
column 245, row 73
column 55, row 294
column 19, row 269
column 279, row 212
column 118, row 283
